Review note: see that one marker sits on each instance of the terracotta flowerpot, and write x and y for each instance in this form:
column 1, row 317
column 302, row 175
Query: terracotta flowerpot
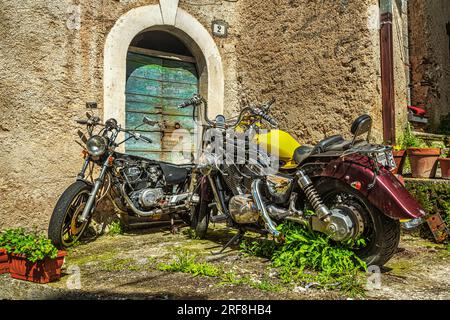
column 399, row 157
column 423, row 161
column 4, row 264
column 445, row 167
column 44, row 271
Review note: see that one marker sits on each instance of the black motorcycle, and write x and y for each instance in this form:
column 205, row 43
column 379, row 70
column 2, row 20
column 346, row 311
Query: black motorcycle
column 135, row 185
column 341, row 188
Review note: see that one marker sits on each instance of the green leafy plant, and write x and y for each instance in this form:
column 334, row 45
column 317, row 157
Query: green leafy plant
column 409, row 140
column 261, row 248
column 304, row 248
column 311, row 257
column 190, row 233
column 437, row 144
column 115, row 228
column 9, row 238
column 265, row 285
column 33, row 246
column 187, row 263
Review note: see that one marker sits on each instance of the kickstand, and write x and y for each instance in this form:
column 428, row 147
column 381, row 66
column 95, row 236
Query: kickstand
column 235, row 239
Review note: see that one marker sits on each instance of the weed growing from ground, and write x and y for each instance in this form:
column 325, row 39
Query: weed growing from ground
column 187, row 263
column 115, row 228
column 121, row 265
column 190, row 233
column 309, row 257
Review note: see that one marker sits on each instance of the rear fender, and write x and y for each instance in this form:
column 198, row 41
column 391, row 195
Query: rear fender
column 385, row 191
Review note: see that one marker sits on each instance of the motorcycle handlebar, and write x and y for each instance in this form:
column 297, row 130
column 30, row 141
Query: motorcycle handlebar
column 146, row 139
column 194, row 101
column 91, row 121
column 262, row 113
column 138, row 136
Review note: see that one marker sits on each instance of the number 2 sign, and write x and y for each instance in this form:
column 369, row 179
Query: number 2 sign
column 220, row 28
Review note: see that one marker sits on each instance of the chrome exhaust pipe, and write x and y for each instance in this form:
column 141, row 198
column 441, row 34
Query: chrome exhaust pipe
column 150, row 213
column 256, row 193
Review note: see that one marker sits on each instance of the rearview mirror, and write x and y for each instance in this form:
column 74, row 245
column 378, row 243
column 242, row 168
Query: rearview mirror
column 149, row 121
column 91, row 105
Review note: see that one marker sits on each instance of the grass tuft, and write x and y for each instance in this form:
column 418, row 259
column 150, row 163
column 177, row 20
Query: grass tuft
column 187, row 263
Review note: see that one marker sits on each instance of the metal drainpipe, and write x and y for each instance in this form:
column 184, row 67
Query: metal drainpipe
column 387, row 71
column 405, row 5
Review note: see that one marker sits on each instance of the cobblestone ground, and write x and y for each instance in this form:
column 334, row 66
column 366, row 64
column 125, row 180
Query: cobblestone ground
column 125, row 267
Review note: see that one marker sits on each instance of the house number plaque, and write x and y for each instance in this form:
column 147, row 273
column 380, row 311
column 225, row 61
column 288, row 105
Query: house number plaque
column 220, row 28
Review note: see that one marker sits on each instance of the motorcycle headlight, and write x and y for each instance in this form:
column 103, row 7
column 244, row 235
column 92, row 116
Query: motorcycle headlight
column 96, row 146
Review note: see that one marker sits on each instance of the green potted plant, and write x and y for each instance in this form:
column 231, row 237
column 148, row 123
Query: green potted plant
column 422, row 158
column 6, row 239
column 444, row 162
column 32, row 257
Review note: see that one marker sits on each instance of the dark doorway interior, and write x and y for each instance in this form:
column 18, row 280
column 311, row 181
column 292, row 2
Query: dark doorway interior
column 161, row 41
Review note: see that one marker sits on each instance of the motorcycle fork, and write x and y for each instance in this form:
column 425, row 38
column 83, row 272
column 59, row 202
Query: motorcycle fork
column 90, row 204
column 82, row 173
column 220, row 205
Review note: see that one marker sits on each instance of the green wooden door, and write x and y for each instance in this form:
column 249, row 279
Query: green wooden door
column 154, row 88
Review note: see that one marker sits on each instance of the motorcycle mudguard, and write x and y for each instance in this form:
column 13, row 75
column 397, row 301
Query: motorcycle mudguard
column 384, row 191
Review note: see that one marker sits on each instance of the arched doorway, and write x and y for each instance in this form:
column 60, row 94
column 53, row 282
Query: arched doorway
column 165, row 20
column 161, row 73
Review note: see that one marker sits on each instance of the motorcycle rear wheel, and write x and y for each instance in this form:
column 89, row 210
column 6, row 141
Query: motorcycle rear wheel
column 382, row 232
column 64, row 230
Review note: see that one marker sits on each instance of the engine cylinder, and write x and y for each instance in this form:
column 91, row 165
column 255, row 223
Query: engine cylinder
column 243, row 209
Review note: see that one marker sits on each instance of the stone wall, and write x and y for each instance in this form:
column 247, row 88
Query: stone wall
column 430, row 57
column 318, row 58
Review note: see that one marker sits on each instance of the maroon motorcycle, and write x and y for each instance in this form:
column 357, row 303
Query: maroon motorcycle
column 342, row 188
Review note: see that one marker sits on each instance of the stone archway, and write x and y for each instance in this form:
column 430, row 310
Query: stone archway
column 165, row 16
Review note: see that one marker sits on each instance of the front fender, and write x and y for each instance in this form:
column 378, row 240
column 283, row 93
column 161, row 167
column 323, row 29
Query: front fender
column 385, row 192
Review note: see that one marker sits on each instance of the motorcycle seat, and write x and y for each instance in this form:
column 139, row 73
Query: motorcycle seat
column 335, row 142
column 325, row 144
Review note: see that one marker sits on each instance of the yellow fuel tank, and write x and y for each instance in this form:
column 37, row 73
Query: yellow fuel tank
column 282, row 141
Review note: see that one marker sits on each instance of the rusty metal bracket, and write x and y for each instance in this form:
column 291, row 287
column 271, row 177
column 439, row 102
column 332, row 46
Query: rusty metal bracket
column 438, row 227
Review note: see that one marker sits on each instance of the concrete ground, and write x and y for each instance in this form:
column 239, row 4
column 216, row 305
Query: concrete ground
column 125, row 267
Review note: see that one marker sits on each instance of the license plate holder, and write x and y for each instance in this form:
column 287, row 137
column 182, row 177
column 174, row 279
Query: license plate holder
column 386, row 159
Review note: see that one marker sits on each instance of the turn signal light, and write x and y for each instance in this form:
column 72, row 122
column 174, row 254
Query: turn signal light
column 110, row 160
column 84, row 153
column 356, row 185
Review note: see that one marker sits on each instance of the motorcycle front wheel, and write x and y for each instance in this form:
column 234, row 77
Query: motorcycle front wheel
column 381, row 233
column 200, row 219
column 64, row 228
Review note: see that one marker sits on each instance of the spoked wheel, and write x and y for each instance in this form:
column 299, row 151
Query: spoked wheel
column 64, row 229
column 381, row 234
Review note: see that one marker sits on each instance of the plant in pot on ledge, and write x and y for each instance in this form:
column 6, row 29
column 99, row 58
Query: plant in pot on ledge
column 422, row 158
column 32, row 257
